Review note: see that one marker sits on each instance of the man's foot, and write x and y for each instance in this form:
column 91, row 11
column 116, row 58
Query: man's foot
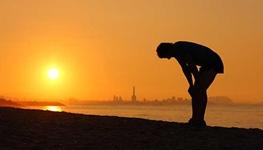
column 197, row 123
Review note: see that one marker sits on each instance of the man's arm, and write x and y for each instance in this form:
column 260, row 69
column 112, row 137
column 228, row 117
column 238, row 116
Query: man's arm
column 193, row 69
column 189, row 68
column 187, row 72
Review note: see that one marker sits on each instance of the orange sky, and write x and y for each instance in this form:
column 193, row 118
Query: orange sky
column 102, row 48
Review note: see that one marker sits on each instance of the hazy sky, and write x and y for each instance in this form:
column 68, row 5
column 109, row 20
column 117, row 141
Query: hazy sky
column 104, row 47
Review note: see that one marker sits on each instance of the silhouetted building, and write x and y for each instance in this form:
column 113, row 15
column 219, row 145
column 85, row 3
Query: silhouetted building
column 133, row 98
column 117, row 99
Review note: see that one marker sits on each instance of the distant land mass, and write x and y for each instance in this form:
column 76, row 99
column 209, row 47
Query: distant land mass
column 11, row 103
column 220, row 100
column 214, row 100
column 8, row 103
column 40, row 103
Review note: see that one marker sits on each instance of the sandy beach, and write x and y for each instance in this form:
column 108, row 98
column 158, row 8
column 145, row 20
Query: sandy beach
column 36, row 129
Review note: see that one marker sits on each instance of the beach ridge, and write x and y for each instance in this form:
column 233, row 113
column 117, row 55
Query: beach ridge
column 37, row 129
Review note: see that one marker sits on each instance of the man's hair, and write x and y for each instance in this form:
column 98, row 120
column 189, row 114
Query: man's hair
column 164, row 50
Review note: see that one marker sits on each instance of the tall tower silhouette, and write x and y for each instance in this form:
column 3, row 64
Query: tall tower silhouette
column 133, row 98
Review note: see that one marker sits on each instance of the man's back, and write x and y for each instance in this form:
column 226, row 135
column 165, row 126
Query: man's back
column 200, row 55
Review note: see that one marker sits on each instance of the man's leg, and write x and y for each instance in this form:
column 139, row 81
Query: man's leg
column 194, row 105
column 206, row 77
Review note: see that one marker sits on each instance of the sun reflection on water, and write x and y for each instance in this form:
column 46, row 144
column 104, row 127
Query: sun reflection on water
column 53, row 108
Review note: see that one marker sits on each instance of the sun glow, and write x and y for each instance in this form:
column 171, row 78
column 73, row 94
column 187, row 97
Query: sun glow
column 53, row 108
column 53, row 73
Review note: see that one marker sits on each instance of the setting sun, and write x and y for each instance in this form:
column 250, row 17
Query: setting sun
column 53, row 73
column 53, row 108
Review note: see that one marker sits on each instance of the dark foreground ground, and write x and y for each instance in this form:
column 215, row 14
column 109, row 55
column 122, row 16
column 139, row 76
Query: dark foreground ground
column 35, row 129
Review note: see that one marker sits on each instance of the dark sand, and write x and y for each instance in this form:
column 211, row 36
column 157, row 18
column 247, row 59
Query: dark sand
column 35, row 129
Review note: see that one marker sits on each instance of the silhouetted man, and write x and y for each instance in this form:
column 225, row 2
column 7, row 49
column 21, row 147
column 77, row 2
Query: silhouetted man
column 190, row 55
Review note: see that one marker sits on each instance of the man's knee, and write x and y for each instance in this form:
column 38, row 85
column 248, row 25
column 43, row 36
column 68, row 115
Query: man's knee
column 198, row 90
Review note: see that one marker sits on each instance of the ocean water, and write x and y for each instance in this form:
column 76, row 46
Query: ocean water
column 244, row 116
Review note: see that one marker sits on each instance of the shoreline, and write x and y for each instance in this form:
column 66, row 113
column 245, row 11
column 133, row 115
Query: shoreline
column 38, row 129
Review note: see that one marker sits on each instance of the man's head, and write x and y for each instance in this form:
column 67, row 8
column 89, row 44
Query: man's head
column 164, row 50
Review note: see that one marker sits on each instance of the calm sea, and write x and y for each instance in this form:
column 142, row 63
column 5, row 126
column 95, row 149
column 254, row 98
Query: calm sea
column 216, row 115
